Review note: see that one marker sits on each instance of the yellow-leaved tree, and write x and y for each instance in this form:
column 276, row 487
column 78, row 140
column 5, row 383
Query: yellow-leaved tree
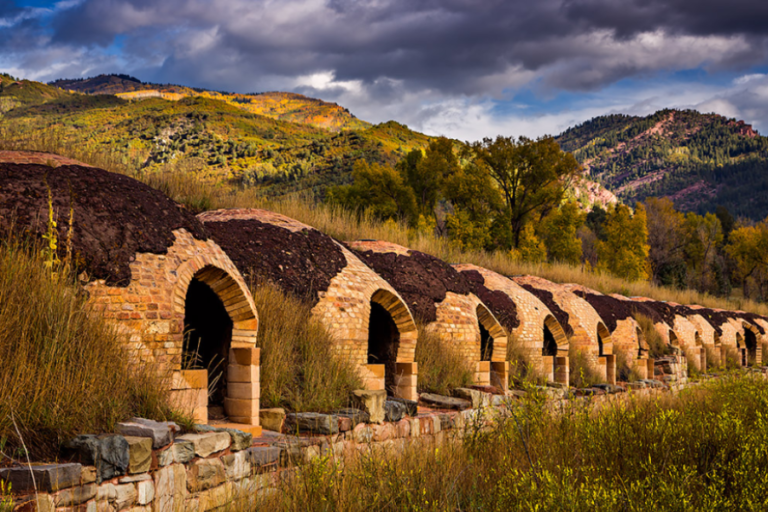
column 749, row 249
column 624, row 252
column 530, row 247
column 558, row 232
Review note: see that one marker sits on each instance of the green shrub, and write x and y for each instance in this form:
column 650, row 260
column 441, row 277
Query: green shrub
column 64, row 372
column 300, row 370
column 441, row 367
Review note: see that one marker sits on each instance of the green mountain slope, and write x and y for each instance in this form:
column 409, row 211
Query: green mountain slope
column 284, row 106
column 698, row 160
column 215, row 139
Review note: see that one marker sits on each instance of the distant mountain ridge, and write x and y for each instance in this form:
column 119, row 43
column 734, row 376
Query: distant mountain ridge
column 700, row 161
column 284, row 106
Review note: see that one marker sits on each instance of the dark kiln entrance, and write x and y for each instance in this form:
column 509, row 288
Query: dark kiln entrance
column 208, row 335
column 383, row 343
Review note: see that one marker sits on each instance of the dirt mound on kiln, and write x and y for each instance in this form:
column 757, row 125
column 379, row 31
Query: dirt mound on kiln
column 115, row 217
column 266, row 246
column 612, row 310
column 502, row 307
column 422, row 280
column 718, row 317
column 548, row 299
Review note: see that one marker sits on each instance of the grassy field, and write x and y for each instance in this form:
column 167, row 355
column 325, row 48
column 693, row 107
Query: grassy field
column 702, row 450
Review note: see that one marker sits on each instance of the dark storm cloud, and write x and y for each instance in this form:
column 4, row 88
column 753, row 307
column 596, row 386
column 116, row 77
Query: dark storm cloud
column 454, row 46
column 698, row 17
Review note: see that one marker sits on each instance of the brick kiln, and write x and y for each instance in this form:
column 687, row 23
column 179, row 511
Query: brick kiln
column 628, row 339
column 372, row 324
column 149, row 266
column 529, row 322
column 736, row 332
column 585, row 329
column 440, row 297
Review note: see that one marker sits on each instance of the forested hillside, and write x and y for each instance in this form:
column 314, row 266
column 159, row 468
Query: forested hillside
column 215, row 139
column 284, row 106
column 700, row 161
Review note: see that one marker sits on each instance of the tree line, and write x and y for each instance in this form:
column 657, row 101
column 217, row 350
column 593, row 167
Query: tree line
column 515, row 196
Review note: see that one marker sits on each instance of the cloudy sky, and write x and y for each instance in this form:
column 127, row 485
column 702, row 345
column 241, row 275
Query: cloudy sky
column 461, row 68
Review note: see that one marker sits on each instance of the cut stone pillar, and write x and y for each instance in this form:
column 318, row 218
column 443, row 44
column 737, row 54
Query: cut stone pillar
column 243, row 385
column 607, row 368
column 500, row 375
column 373, row 376
column 406, row 379
column 483, row 373
column 562, row 372
column 548, row 368
column 189, row 393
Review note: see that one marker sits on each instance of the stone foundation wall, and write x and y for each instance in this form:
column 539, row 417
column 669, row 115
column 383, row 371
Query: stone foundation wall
column 148, row 467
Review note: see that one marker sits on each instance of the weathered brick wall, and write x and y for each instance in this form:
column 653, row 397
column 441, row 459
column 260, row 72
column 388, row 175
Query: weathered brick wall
column 150, row 310
column 628, row 339
column 582, row 318
column 344, row 308
column 457, row 320
column 532, row 314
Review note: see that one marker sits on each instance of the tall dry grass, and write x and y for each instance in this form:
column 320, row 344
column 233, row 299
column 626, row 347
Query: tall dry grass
column 441, row 367
column 581, row 371
column 64, row 372
column 657, row 347
column 300, row 370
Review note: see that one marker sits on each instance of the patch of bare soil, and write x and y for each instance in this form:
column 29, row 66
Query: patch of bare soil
column 613, row 310
column 548, row 299
column 422, row 280
column 301, row 262
column 114, row 216
column 499, row 303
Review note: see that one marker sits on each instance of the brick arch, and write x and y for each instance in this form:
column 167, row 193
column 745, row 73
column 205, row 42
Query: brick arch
column 604, row 337
column 401, row 315
column 236, row 298
column 497, row 332
column 674, row 341
column 551, row 323
column 755, row 351
column 698, row 340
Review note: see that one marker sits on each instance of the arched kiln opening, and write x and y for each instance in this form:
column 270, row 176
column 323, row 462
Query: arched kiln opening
column 208, row 337
column 750, row 340
column 220, row 323
column 490, row 330
column 383, row 343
